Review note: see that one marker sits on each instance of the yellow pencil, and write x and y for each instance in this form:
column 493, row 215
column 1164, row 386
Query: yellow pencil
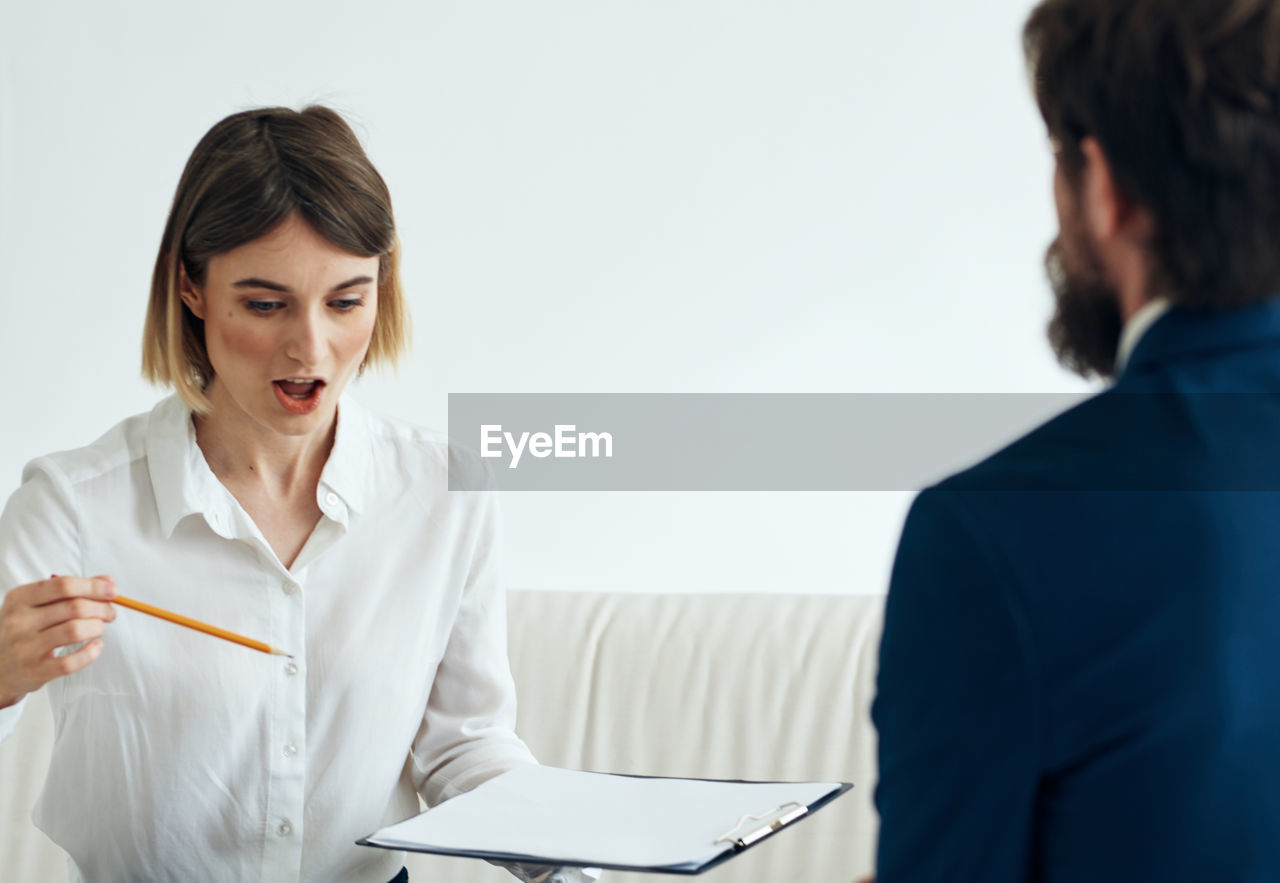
column 197, row 625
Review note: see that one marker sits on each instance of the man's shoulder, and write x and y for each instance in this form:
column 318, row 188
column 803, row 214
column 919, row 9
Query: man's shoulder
column 1079, row 449
column 1156, row 433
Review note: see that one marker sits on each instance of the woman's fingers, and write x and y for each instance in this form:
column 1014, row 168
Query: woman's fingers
column 56, row 613
column 72, row 632
column 37, row 618
column 60, row 588
column 73, row 662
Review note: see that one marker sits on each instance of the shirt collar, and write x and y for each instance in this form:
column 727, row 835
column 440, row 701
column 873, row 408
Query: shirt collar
column 346, row 472
column 184, row 485
column 180, row 478
column 1137, row 326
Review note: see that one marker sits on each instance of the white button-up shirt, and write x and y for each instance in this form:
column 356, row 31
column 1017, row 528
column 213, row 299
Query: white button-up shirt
column 179, row 756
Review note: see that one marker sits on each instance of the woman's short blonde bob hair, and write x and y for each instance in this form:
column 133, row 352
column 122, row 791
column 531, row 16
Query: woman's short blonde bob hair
column 247, row 175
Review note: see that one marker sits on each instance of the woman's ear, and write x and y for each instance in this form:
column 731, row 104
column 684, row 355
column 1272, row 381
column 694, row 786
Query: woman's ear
column 190, row 295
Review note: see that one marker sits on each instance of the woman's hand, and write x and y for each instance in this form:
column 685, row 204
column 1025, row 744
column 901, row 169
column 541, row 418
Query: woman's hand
column 527, row 873
column 37, row 618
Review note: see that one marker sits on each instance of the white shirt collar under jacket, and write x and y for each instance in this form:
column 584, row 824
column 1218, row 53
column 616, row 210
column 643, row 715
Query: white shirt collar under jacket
column 1137, row 326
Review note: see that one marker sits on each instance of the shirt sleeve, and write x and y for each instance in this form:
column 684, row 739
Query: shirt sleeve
column 39, row 536
column 955, row 709
column 468, row 732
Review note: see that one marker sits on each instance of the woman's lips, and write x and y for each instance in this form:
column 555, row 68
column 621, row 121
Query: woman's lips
column 298, row 396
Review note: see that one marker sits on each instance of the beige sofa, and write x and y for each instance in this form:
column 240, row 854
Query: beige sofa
column 723, row 686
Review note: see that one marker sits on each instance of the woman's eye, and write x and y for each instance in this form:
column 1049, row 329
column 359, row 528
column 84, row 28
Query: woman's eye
column 263, row 306
column 347, row 303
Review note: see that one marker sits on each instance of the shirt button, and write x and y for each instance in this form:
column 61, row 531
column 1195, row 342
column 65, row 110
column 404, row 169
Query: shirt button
column 290, row 749
column 291, row 668
column 290, row 588
column 331, row 499
column 285, row 828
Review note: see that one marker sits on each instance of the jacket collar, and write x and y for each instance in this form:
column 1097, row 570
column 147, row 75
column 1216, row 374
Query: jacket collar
column 1184, row 331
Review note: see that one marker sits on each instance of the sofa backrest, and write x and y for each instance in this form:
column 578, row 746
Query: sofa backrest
column 726, row 686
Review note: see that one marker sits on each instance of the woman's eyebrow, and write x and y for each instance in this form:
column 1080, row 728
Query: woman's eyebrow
column 255, row 282
column 358, row 280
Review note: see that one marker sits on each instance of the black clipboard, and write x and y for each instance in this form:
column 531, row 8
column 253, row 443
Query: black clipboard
column 749, row 830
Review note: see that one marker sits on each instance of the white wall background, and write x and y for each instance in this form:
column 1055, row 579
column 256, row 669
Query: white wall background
column 594, row 196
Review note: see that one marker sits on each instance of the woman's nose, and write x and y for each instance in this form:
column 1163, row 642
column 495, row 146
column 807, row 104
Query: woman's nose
column 305, row 343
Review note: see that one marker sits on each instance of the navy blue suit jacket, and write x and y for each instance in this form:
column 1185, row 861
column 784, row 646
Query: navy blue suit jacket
column 1080, row 671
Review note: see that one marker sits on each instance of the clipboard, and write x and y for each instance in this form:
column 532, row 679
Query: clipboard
column 571, row 818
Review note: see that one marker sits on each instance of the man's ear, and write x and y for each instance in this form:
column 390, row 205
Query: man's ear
column 191, row 296
column 1107, row 211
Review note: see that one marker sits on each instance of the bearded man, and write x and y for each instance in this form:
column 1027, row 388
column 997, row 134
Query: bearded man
column 1080, row 670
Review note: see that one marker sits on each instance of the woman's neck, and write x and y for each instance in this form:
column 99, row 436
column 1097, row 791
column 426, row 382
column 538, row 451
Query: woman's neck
column 241, row 451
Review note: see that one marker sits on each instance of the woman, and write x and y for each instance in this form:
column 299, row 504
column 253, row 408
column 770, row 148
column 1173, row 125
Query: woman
column 259, row 499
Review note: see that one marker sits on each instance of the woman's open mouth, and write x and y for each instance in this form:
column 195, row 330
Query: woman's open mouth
column 298, row 395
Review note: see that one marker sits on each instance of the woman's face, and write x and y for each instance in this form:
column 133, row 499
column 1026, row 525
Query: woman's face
column 287, row 321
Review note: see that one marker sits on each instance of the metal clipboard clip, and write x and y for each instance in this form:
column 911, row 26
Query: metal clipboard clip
column 757, row 834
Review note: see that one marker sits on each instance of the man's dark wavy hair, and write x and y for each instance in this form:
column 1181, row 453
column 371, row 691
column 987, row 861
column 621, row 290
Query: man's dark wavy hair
column 1184, row 98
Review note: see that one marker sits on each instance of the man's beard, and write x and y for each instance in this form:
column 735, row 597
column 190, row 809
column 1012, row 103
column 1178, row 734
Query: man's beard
column 1085, row 329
